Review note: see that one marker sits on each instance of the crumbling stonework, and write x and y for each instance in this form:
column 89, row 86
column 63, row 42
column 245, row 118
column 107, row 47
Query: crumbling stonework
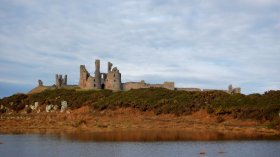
column 110, row 80
column 136, row 85
column 113, row 80
column 59, row 81
column 97, row 79
column 84, row 75
column 230, row 90
column 40, row 83
column 189, row 89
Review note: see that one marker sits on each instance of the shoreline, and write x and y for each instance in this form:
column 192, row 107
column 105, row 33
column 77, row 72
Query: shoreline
column 134, row 124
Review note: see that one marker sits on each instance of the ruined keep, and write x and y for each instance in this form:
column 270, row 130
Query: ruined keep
column 110, row 80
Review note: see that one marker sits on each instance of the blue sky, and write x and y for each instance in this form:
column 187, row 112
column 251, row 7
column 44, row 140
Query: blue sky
column 195, row 43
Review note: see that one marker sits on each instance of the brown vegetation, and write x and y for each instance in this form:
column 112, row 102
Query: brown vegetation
column 148, row 109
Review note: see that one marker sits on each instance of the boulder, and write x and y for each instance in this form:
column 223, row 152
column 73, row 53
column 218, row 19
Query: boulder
column 55, row 107
column 63, row 106
column 35, row 106
column 49, row 107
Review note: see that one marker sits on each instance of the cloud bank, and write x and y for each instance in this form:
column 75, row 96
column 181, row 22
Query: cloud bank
column 206, row 44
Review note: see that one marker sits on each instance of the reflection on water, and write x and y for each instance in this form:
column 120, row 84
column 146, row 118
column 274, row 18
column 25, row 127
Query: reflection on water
column 162, row 136
column 34, row 145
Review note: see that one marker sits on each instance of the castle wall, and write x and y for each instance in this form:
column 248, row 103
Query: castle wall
column 210, row 90
column 230, row 90
column 83, row 76
column 236, row 90
column 137, row 85
column 134, row 85
column 90, row 83
column 169, row 85
column 188, row 89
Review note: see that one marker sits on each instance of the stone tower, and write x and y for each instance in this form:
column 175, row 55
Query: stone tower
column 97, row 73
column 113, row 80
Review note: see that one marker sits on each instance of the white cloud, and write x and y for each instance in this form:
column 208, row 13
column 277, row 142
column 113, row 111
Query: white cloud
column 215, row 42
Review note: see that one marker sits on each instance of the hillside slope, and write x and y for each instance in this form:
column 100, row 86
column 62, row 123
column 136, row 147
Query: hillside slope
column 257, row 107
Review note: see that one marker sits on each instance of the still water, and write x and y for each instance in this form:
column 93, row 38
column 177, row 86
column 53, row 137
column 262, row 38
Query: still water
column 37, row 145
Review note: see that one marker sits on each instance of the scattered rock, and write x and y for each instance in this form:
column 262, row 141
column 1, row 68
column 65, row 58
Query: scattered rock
column 51, row 108
column 202, row 153
column 55, row 107
column 35, row 106
column 63, row 106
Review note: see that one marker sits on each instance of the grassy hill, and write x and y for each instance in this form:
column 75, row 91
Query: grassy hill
column 255, row 106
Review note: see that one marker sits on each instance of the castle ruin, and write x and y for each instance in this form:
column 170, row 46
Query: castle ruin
column 59, row 81
column 111, row 80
